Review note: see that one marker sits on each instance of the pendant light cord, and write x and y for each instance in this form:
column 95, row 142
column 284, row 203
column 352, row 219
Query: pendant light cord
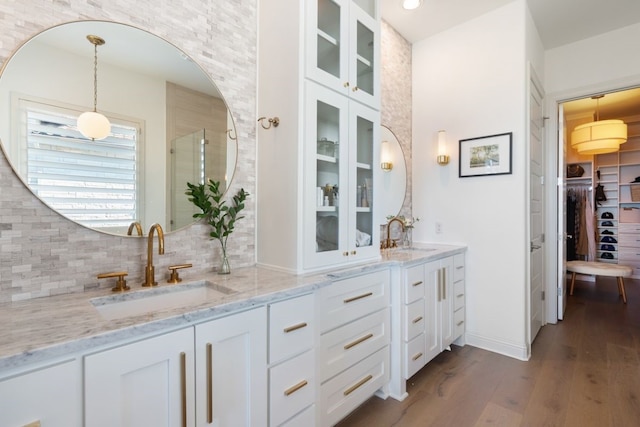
column 95, row 77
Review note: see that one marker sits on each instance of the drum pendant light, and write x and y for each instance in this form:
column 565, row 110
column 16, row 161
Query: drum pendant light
column 600, row 136
column 92, row 124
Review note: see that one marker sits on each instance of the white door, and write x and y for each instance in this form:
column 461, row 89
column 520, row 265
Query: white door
column 562, row 216
column 536, row 210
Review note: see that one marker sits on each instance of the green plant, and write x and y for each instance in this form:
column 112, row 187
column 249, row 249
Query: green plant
column 221, row 217
column 408, row 223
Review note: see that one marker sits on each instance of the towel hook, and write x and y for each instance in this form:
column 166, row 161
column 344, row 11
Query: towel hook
column 275, row 121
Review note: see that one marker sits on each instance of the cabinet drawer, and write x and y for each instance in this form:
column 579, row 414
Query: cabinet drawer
column 414, row 319
column 458, row 294
column 629, row 228
column 344, row 393
column 291, row 387
column 458, row 267
column 458, row 322
column 414, row 351
column 352, row 342
column 291, row 325
column 414, row 284
column 306, row 418
column 629, row 256
column 349, row 299
column 629, row 240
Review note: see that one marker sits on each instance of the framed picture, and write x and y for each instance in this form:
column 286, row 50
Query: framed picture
column 485, row 155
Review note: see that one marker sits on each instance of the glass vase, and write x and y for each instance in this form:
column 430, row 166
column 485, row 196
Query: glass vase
column 224, row 267
column 408, row 238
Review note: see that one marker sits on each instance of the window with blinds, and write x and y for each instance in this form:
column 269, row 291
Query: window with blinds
column 91, row 182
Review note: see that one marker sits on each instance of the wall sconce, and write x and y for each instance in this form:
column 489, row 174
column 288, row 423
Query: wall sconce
column 443, row 158
column 386, row 163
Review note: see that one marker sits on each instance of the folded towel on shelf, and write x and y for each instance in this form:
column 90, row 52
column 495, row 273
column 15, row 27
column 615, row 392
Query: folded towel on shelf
column 362, row 238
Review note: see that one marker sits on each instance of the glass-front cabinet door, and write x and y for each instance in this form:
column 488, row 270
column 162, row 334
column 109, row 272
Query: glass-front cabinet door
column 343, row 47
column 339, row 178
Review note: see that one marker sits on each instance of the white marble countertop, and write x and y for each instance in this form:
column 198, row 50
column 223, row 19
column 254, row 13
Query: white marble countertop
column 48, row 328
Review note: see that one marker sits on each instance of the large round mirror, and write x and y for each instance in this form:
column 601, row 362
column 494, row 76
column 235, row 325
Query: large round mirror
column 169, row 125
column 393, row 183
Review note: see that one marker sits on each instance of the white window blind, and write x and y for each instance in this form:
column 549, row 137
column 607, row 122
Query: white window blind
column 91, row 182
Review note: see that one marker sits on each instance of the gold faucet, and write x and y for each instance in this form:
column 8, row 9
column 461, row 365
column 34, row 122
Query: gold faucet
column 138, row 227
column 149, row 272
column 388, row 243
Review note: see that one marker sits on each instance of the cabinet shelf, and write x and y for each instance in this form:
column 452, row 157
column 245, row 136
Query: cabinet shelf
column 328, row 159
column 363, row 166
column 363, row 209
column 326, row 209
column 326, row 37
column 364, row 61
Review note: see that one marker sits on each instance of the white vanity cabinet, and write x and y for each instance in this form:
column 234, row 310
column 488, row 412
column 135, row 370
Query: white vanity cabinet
column 343, row 47
column 292, row 380
column 231, row 370
column 327, row 142
column 430, row 302
column 166, row 380
column 148, row 382
column 50, row 396
column 353, row 348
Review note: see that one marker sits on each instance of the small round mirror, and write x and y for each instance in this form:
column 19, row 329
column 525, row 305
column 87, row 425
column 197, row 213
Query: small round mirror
column 393, row 183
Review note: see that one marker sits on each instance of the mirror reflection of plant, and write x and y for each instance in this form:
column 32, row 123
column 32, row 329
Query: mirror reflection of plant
column 220, row 216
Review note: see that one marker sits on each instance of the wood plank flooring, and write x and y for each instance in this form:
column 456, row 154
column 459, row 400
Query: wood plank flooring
column 584, row 371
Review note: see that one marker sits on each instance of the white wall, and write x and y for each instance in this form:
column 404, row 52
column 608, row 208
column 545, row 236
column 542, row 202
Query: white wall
column 471, row 82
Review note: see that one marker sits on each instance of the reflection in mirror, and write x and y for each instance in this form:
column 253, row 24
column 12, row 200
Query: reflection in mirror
column 169, row 125
column 393, row 183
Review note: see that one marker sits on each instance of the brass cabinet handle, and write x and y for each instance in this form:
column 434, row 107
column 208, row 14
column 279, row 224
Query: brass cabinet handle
column 346, row 84
column 460, row 323
column 444, row 283
column 33, row 424
column 358, row 341
column 417, row 283
column 352, row 299
column 358, row 385
column 460, row 295
column 295, row 388
column 460, row 267
column 295, row 327
column 345, row 253
column 355, row 88
column 209, row 383
column 417, row 319
column 416, row 357
column 353, row 252
column 183, row 387
column 439, row 284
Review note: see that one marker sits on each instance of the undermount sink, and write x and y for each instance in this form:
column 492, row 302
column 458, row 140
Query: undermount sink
column 151, row 300
column 413, row 249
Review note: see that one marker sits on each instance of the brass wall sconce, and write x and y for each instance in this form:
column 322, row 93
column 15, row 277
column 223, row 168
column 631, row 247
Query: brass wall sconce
column 385, row 157
column 273, row 121
column 443, row 157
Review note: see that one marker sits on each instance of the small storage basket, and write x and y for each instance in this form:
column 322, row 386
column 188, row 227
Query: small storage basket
column 635, row 193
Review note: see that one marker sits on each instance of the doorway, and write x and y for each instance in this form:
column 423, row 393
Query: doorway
column 566, row 113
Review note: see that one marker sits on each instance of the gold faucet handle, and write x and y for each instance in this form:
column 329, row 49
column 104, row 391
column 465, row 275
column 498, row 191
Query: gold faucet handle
column 174, row 272
column 121, row 284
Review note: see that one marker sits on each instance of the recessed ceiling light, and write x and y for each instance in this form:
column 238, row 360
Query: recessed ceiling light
column 411, row 4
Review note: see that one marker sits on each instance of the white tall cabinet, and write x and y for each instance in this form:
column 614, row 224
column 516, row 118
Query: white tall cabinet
column 318, row 71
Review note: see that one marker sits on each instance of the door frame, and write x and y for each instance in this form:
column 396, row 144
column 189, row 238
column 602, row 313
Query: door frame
column 555, row 177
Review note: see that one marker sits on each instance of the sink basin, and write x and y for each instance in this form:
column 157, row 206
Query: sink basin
column 157, row 299
column 413, row 249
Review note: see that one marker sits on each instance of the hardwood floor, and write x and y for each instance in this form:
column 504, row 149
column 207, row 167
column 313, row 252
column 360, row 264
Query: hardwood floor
column 584, row 371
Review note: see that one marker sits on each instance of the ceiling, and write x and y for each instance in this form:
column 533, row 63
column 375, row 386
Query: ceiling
column 559, row 22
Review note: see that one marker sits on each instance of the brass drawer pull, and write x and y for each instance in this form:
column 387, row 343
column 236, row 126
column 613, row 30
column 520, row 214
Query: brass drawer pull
column 33, row 424
column 352, row 299
column 358, row 341
column 416, row 357
column 209, row 383
column 183, row 387
column 417, row 319
column 295, row 327
column 459, row 267
column 460, row 295
column 417, row 283
column 295, row 388
column 460, row 323
column 358, row 385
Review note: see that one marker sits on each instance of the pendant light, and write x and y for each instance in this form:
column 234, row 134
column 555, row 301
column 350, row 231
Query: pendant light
column 92, row 124
column 599, row 137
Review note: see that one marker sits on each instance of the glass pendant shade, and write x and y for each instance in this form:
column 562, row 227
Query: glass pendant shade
column 599, row 137
column 94, row 125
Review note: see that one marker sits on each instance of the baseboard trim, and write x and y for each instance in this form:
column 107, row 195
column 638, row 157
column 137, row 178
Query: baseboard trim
column 496, row 346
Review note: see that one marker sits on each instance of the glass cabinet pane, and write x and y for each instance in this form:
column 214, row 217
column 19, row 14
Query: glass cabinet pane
column 365, row 58
column 327, row 177
column 329, row 37
column 364, row 181
column 369, row 6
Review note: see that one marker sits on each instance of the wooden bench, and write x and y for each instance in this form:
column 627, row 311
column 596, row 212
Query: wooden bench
column 600, row 269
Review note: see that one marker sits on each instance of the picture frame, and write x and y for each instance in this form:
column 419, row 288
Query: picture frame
column 485, row 155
